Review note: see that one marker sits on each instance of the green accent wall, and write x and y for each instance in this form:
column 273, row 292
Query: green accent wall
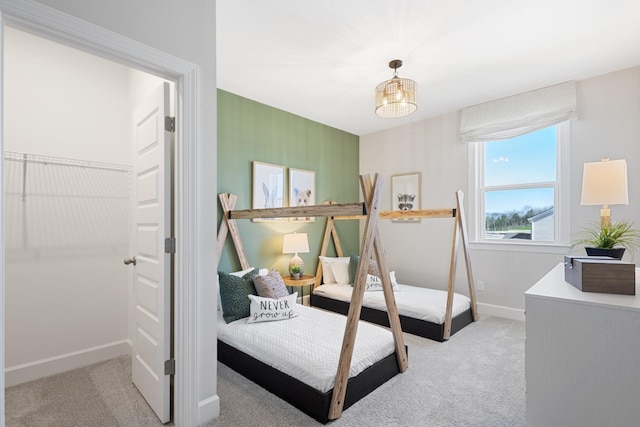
column 249, row 131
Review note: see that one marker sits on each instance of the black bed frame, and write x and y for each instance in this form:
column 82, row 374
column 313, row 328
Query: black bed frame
column 304, row 397
column 422, row 328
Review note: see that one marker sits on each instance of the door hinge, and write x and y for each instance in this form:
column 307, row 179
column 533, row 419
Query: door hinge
column 170, row 245
column 170, row 367
column 169, row 124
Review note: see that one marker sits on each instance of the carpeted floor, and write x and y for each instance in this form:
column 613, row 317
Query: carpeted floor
column 474, row 379
column 97, row 395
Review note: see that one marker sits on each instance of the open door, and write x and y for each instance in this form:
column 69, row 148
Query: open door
column 151, row 364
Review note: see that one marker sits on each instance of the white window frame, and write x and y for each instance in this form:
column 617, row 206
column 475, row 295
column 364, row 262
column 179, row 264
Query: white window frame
column 562, row 201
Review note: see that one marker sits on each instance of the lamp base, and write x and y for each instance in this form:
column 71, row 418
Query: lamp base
column 605, row 215
column 296, row 260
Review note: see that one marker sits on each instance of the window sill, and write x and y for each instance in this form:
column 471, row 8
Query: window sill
column 548, row 248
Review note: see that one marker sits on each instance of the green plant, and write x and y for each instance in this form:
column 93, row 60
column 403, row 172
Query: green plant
column 619, row 234
column 295, row 269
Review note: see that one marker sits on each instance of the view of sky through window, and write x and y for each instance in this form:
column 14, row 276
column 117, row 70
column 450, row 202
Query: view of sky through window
column 527, row 159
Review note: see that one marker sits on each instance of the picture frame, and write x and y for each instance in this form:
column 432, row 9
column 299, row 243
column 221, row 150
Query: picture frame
column 406, row 194
column 268, row 187
column 302, row 191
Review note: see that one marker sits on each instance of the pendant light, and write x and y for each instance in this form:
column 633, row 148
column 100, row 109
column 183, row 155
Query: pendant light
column 396, row 97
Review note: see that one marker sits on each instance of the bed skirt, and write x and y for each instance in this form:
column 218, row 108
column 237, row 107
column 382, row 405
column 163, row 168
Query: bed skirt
column 312, row 402
column 422, row 328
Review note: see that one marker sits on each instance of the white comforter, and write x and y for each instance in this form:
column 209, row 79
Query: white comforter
column 307, row 347
column 412, row 301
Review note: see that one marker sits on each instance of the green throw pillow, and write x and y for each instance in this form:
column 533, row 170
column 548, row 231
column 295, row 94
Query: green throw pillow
column 353, row 267
column 233, row 295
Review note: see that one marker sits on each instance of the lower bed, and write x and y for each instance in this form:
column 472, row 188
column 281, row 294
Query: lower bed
column 422, row 310
column 297, row 359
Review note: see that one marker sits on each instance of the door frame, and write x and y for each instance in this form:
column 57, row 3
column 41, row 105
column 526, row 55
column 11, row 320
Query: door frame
column 57, row 26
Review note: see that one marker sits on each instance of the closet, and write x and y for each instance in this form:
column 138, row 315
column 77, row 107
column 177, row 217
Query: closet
column 68, row 156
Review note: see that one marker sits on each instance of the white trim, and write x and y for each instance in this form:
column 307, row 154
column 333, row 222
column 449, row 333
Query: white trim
column 208, row 409
column 526, row 246
column 2, row 269
column 54, row 365
column 55, row 25
column 501, row 311
column 562, row 199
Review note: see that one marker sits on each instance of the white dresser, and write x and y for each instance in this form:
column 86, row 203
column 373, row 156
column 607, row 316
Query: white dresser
column 582, row 355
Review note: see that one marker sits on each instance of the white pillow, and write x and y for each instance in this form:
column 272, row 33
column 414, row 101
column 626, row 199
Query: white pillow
column 340, row 272
column 261, row 272
column 375, row 284
column 269, row 309
column 242, row 272
column 327, row 273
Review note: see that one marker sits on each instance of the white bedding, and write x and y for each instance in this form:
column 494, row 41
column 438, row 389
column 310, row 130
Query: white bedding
column 307, row 347
column 412, row 301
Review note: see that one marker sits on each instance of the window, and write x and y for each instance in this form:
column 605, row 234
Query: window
column 519, row 197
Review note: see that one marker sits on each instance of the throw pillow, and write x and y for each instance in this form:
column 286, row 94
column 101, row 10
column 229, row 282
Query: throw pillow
column 327, row 273
column 269, row 309
column 374, row 283
column 353, row 267
column 240, row 273
column 340, row 272
column 233, row 294
column 271, row 285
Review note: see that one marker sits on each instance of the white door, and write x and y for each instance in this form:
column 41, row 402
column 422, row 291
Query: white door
column 152, row 224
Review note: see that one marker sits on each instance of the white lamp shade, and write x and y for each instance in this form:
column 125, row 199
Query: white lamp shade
column 605, row 183
column 294, row 243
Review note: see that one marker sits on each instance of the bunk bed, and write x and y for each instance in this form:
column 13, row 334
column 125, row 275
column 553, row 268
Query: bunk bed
column 387, row 354
column 429, row 313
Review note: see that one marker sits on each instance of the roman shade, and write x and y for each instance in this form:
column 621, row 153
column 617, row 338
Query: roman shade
column 518, row 114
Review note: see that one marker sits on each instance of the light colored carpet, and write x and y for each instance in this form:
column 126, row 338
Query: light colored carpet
column 474, row 379
column 97, row 395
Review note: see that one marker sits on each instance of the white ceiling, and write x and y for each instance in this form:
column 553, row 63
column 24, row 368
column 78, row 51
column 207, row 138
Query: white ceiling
column 321, row 59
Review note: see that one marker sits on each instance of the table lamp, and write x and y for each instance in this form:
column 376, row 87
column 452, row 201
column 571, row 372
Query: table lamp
column 605, row 183
column 295, row 243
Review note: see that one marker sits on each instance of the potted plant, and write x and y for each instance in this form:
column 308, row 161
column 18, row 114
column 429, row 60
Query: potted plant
column 295, row 271
column 609, row 239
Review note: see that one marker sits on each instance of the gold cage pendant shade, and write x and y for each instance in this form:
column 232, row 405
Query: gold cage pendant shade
column 396, row 97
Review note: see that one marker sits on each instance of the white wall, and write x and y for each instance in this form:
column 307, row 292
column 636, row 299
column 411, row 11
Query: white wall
column 51, row 90
column 608, row 125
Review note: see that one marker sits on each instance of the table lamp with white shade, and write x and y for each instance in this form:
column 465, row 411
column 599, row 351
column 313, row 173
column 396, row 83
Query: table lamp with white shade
column 605, row 183
column 295, row 243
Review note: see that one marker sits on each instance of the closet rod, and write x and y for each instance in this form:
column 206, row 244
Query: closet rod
column 61, row 161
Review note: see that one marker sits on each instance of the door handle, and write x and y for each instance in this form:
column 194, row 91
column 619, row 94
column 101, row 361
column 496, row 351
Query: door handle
column 128, row 261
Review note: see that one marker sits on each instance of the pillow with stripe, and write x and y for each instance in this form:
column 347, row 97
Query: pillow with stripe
column 271, row 285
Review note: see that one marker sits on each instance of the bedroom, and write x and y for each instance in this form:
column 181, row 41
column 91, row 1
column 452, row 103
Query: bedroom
column 506, row 274
column 431, row 147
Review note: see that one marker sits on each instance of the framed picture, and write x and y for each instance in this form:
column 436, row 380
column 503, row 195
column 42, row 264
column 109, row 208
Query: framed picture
column 405, row 194
column 268, row 188
column 302, row 190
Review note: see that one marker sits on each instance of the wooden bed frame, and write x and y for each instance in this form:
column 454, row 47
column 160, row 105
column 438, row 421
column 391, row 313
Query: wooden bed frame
column 435, row 331
column 345, row 391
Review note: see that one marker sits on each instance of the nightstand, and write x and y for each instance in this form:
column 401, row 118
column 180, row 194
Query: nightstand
column 304, row 280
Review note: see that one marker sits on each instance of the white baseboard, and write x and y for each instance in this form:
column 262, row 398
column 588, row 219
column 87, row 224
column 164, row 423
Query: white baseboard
column 19, row 374
column 208, row 409
column 501, row 311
